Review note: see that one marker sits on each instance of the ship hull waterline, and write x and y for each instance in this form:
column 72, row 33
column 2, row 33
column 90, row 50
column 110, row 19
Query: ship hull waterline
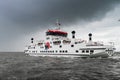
column 101, row 54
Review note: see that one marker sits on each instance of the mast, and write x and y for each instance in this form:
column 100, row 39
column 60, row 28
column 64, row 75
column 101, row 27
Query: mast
column 58, row 25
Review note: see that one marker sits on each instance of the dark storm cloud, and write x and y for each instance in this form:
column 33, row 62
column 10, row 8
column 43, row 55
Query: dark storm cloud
column 33, row 13
column 21, row 17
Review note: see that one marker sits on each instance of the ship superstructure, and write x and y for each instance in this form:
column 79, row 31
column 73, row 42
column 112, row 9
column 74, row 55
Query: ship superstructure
column 58, row 44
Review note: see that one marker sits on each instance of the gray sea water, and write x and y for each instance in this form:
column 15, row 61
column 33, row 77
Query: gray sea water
column 18, row 66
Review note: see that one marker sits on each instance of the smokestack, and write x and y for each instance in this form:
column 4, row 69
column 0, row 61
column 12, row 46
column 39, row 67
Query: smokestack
column 90, row 36
column 73, row 34
column 32, row 40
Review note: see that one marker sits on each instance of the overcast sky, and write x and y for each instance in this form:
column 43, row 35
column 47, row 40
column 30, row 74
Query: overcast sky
column 22, row 19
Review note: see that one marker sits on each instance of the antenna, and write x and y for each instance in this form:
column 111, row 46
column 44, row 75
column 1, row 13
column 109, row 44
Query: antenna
column 58, row 24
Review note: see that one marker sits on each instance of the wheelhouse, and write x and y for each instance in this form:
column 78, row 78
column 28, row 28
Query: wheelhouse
column 56, row 33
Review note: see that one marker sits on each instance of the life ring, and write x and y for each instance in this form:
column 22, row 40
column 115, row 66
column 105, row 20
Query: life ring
column 47, row 44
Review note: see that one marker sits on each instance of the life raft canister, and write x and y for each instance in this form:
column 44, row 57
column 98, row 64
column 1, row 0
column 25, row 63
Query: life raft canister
column 48, row 45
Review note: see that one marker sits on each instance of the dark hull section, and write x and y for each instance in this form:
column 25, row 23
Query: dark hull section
column 102, row 55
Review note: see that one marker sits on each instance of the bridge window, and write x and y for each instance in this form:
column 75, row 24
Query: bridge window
column 56, row 33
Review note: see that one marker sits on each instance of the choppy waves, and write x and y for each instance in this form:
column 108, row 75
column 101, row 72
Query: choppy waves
column 18, row 66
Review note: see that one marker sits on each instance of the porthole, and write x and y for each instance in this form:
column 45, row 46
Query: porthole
column 60, row 46
column 66, row 51
column 72, row 45
column 77, row 51
column 83, row 51
column 60, row 51
column 56, row 51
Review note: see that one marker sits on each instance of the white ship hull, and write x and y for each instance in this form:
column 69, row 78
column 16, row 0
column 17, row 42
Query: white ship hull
column 57, row 44
column 94, row 55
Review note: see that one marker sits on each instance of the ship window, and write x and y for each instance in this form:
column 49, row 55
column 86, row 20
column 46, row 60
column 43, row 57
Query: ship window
column 56, row 34
column 47, row 38
column 91, row 51
column 60, row 51
column 77, row 51
column 83, row 51
column 87, row 51
column 75, row 42
column 66, row 42
column 57, row 42
column 60, row 46
column 56, row 51
column 33, row 51
column 66, row 51
column 72, row 45
column 40, row 44
column 63, row 51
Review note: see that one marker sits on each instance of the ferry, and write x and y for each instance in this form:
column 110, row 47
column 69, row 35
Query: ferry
column 57, row 44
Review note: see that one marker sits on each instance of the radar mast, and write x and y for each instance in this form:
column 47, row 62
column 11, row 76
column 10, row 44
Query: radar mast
column 58, row 25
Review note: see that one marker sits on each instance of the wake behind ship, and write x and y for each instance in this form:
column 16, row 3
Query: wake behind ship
column 58, row 44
